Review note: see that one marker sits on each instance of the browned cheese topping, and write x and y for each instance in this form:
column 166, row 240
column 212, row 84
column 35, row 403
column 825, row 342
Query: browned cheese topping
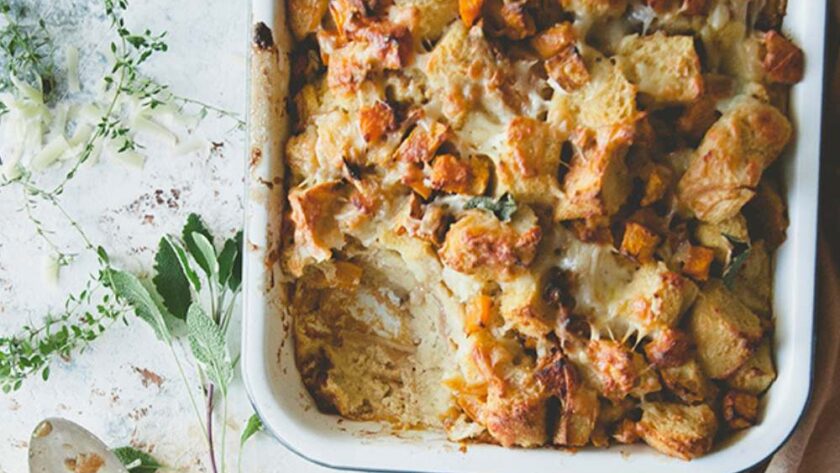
column 538, row 222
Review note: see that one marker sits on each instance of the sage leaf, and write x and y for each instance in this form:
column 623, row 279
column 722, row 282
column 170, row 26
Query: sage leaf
column 136, row 461
column 174, row 325
column 207, row 342
column 196, row 225
column 128, row 287
column 172, row 278
column 253, row 426
column 207, row 253
column 737, row 257
column 734, row 268
column 235, row 280
column 504, row 208
column 229, row 259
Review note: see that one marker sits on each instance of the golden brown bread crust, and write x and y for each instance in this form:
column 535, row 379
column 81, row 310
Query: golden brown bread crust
column 479, row 244
column 728, row 165
column 682, row 431
column 525, row 221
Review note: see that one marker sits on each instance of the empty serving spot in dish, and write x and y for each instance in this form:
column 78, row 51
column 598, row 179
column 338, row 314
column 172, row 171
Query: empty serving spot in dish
column 538, row 223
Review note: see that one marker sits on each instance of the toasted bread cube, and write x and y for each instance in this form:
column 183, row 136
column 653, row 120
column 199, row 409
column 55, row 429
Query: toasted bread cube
column 305, row 16
column 316, row 231
column 688, row 382
column 460, row 176
column 656, row 185
column 528, row 166
column 375, row 47
column 639, row 242
column 697, row 262
column 668, row 347
column 301, row 156
column 568, row 69
column 725, row 330
column 480, row 244
column 666, row 68
column 595, row 8
column 728, row 165
column 465, row 75
column 554, row 40
column 757, row 374
column 307, row 104
column 579, row 405
column 516, row 418
column 618, row 372
column 739, row 409
column 597, row 182
column 717, row 236
column 656, row 297
column 606, row 102
column 433, row 16
column 767, row 216
column 784, row 62
column 523, row 308
column 680, row 431
column 753, row 282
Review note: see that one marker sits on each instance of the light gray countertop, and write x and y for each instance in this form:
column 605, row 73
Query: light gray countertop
column 125, row 387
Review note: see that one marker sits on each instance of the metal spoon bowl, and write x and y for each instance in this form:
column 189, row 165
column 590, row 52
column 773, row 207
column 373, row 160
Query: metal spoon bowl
column 61, row 446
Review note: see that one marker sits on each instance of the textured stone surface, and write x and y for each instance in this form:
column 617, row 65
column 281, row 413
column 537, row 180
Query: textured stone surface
column 125, row 387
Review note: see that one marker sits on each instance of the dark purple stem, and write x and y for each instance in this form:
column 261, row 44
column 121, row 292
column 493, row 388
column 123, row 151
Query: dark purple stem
column 213, row 466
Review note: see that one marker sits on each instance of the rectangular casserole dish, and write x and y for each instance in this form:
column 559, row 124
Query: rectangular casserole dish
column 289, row 413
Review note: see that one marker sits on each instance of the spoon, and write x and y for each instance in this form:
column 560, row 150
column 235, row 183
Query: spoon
column 60, row 446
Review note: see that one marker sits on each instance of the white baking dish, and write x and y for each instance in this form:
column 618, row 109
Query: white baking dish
column 289, row 413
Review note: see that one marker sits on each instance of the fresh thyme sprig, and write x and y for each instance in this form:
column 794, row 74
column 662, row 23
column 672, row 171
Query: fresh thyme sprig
column 85, row 316
column 130, row 50
column 26, row 51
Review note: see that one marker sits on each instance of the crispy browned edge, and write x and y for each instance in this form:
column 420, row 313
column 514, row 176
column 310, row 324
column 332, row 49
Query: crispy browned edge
column 268, row 128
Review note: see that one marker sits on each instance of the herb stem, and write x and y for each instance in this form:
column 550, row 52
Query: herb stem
column 228, row 313
column 224, row 429
column 101, row 130
column 210, row 392
column 39, row 228
column 221, row 112
column 190, row 394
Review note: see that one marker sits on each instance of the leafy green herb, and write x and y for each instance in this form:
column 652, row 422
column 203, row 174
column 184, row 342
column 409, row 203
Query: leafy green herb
column 196, row 225
column 504, row 208
column 136, row 461
column 84, row 317
column 254, row 425
column 738, row 256
column 26, row 51
column 205, row 252
column 208, row 346
column 172, row 278
column 734, row 268
column 230, row 263
column 129, row 288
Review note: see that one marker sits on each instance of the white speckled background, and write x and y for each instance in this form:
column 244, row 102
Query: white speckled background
column 127, row 210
